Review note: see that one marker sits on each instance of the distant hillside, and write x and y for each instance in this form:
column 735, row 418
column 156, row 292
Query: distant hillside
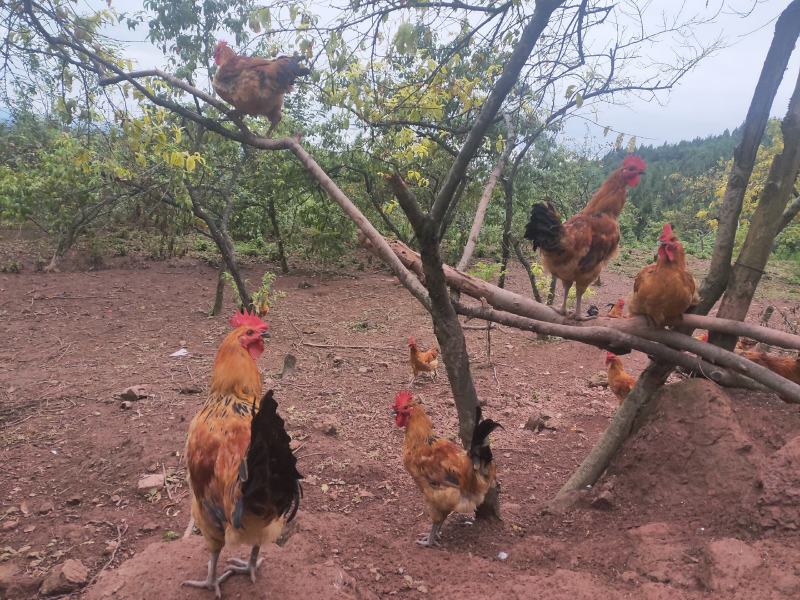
column 655, row 193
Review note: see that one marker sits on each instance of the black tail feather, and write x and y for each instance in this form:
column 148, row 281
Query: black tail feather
column 479, row 450
column 544, row 228
column 273, row 482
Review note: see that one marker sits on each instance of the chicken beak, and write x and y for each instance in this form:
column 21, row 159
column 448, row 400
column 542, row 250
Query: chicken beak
column 265, row 335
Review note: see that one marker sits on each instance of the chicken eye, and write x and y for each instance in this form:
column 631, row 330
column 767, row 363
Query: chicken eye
column 249, row 332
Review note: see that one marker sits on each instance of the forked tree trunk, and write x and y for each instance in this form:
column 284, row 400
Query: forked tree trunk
column 787, row 29
column 764, row 224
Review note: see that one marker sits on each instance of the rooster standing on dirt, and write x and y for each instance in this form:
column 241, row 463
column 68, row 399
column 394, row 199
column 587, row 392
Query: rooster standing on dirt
column 449, row 478
column 577, row 250
column 254, row 85
column 422, row 362
column 619, row 382
column 664, row 290
column 242, row 473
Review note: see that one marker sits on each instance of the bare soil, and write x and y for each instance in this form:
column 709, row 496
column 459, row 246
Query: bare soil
column 703, row 497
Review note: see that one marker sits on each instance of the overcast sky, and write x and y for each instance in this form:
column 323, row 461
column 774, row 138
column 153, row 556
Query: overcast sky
column 713, row 97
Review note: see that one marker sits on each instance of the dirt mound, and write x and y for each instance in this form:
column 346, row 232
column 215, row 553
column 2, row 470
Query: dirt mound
column 688, row 455
column 296, row 570
column 777, row 502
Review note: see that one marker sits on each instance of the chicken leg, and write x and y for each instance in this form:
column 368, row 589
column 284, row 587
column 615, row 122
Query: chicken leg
column 432, row 538
column 212, row 581
column 246, row 567
column 567, row 286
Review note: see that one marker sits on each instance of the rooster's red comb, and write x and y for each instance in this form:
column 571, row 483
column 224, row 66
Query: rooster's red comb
column 666, row 232
column 247, row 319
column 610, row 356
column 412, row 341
column 221, row 43
column 635, row 161
column 402, row 398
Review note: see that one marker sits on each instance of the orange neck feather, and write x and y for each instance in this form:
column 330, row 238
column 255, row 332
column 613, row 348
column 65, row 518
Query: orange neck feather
column 235, row 371
column 419, row 427
column 611, row 196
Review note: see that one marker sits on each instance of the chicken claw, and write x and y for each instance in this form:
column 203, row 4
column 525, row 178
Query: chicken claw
column 432, row 539
column 245, row 567
column 211, row 582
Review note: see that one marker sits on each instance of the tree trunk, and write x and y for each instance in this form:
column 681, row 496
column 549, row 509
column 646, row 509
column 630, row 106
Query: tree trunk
column 764, row 224
column 486, row 196
column 595, row 463
column 528, row 269
column 276, row 231
column 225, row 246
column 787, row 29
column 789, row 214
column 219, row 295
column 508, row 188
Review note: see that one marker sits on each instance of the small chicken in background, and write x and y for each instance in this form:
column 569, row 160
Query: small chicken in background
column 787, row 367
column 242, row 473
column 253, row 85
column 619, row 382
column 577, row 250
column 422, row 362
column 663, row 291
column 742, row 344
column 616, row 309
column 450, row 479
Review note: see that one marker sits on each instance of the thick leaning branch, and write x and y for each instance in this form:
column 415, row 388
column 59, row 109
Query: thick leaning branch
column 609, row 339
column 503, row 299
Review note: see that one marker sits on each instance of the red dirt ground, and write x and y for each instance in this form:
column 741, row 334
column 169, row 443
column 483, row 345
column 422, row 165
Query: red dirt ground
column 699, row 498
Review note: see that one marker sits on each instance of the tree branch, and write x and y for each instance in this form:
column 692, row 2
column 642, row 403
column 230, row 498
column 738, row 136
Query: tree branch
column 511, row 70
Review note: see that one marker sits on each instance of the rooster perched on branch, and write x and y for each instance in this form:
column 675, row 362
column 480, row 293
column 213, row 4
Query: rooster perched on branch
column 449, row 478
column 253, row 85
column 577, row 250
column 242, row 473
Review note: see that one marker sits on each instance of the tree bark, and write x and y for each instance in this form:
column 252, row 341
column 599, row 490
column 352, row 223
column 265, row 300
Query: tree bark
column 764, row 224
column 787, row 29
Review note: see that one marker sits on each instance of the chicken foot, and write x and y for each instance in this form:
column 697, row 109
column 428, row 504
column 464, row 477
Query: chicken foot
column 211, row 582
column 245, row 567
column 432, row 539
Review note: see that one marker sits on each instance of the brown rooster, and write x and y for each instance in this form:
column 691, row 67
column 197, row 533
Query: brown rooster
column 619, row 382
column 450, row 479
column 616, row 310
column 664, row 290
column 253, row 85
column 577, row 250
column 422, row 362
column 242, row 474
